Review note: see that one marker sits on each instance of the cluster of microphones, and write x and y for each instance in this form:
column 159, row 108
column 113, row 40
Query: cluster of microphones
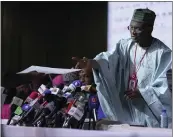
column 61, row 106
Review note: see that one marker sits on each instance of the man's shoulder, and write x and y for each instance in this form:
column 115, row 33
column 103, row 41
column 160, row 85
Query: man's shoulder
column 160, row 45
column 125, row 41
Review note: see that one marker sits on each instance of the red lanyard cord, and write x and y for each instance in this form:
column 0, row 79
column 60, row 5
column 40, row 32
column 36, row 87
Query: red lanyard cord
column 137, row 68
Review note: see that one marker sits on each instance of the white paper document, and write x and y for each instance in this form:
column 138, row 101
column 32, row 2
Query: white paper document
column 48, row 70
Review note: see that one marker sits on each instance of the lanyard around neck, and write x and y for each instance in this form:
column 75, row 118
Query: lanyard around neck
column 137, row 67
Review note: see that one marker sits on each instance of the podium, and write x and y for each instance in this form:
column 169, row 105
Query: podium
column 14, row 131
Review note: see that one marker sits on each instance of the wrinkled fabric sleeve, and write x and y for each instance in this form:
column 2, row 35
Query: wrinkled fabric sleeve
column 105, row 79
column 157, row 95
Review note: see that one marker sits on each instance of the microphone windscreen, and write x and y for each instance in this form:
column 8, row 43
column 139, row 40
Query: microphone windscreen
column 77, row 83
column 26, row 107
column 47, row 92
column 57, row 80
column 86, row 88
column 33, row 95
column 17, row 101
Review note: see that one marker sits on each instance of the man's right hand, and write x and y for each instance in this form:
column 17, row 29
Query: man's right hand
column 85, row 63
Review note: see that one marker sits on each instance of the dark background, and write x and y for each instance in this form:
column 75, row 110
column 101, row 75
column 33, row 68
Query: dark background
column 49, row 34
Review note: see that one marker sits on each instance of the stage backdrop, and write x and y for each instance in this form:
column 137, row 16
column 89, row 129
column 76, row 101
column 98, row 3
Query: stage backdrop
column 120, row 14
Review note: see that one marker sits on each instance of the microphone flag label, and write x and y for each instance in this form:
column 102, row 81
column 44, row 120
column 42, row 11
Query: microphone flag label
column 18, row 111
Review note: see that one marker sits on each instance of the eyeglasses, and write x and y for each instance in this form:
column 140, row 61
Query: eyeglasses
column 136, row 29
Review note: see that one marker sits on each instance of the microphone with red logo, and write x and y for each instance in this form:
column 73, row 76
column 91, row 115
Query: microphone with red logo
column 93, row 105
column 31, row 97
column 28, row 115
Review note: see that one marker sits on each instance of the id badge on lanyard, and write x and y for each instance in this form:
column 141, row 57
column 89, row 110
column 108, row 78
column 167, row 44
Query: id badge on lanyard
column 133, row 81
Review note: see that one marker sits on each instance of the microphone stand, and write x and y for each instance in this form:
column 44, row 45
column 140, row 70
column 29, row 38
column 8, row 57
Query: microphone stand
column 94, row 118
column 82, row 121
column 92, row 115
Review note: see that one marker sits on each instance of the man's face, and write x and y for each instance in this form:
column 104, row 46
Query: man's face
column 139, row 31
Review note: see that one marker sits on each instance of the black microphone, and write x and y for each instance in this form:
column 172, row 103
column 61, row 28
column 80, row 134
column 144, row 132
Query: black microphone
column 57, row 116
column 28, row 116
column 57, row 90
column 17, row 101
column 91, row 106
column 55, row 104
column 46, row 111
column 60, row 102
column 75, row 113
column 49, row 98
column 59, row 119
column 38, row 112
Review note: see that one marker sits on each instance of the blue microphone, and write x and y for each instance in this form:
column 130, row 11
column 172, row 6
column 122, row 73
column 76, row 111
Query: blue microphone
column 26, row 107
column 93, row 102
column 77, row 83
column 72, row 87
column 47, row 91
column 93, row 107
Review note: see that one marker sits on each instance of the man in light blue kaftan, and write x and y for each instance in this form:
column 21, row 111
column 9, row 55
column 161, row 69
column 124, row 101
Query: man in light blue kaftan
column 131, row 80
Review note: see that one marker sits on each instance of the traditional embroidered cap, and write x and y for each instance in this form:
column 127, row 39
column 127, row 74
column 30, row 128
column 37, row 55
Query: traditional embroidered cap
column 144, row 15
